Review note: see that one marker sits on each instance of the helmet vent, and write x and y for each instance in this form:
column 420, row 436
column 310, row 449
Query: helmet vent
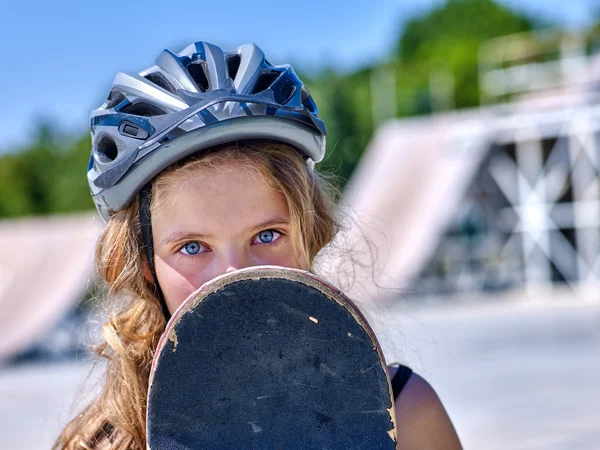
column 114, row 98
column 265, row 80
column 107, row 150
column 142, row 109
column 308, row 102
column 160, row 80
column 233, row 65
column 197, row 70
column 286, row 92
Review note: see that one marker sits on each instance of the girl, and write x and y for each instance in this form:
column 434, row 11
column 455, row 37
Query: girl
column 203, row 164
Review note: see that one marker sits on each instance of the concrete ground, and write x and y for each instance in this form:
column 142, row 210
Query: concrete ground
column 513, row 375
column 519, row 376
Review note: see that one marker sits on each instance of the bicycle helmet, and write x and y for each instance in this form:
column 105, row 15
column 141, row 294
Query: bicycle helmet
column 188, row 102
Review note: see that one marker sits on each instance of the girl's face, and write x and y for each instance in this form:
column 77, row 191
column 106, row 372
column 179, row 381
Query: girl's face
column 216, row 221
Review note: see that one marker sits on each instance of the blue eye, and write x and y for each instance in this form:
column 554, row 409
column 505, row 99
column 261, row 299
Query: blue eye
column 191, row 248
column 266, row 237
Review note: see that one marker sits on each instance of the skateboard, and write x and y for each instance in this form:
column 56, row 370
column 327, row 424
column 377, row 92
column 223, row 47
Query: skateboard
column 269, row 358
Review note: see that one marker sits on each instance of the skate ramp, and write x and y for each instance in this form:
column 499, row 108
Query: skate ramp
column 400, row 199
column 45, row 265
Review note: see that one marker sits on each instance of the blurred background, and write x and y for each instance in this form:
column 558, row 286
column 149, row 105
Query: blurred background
column 465, row 135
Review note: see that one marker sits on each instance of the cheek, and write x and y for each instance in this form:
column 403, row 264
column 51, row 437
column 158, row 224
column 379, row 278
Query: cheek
column 177, row 283
column 281, row 260
column 282, row 256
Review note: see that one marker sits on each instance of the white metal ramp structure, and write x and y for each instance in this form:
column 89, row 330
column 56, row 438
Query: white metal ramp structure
column 45, row 265
column 503, row 196
column 401, row 198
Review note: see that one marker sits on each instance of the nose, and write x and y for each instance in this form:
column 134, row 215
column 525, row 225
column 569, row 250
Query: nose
column 235, row 259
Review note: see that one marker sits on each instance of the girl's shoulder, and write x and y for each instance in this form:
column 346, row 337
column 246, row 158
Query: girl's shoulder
column 421, row 419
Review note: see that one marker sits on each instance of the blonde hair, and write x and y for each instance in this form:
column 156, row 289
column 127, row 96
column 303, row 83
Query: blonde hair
column 116, row 418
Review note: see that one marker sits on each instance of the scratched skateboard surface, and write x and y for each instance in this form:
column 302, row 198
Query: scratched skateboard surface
column 269, row 358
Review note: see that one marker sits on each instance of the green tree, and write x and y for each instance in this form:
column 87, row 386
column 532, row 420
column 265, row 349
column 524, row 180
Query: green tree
column 70, row 191
column 448, row 37
column 345, row 106
column 15, row 199
column 47, row 176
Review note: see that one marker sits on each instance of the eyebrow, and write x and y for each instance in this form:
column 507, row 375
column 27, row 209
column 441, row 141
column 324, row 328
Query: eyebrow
column 275, row 221
column 179, row 236
column 182, row 236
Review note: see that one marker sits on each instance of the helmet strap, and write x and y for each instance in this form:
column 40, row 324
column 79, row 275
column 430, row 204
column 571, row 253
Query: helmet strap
column 148, row 244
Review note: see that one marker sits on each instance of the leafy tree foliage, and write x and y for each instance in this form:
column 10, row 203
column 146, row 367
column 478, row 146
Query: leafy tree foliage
column 445, row 38
column 448, row 37
column 346, row 109
column 456, row 21
column 48, row 176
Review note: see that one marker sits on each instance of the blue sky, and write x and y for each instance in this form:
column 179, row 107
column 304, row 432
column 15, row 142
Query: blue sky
column 59, row 57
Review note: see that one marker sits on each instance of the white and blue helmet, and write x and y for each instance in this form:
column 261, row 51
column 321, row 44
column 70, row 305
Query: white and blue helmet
column 189, row 102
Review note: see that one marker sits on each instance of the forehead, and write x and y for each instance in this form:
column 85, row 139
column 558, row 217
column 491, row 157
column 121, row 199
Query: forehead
column 226, row 198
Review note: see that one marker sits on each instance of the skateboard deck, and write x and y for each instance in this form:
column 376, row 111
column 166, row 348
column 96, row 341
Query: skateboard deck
column 269, row 358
